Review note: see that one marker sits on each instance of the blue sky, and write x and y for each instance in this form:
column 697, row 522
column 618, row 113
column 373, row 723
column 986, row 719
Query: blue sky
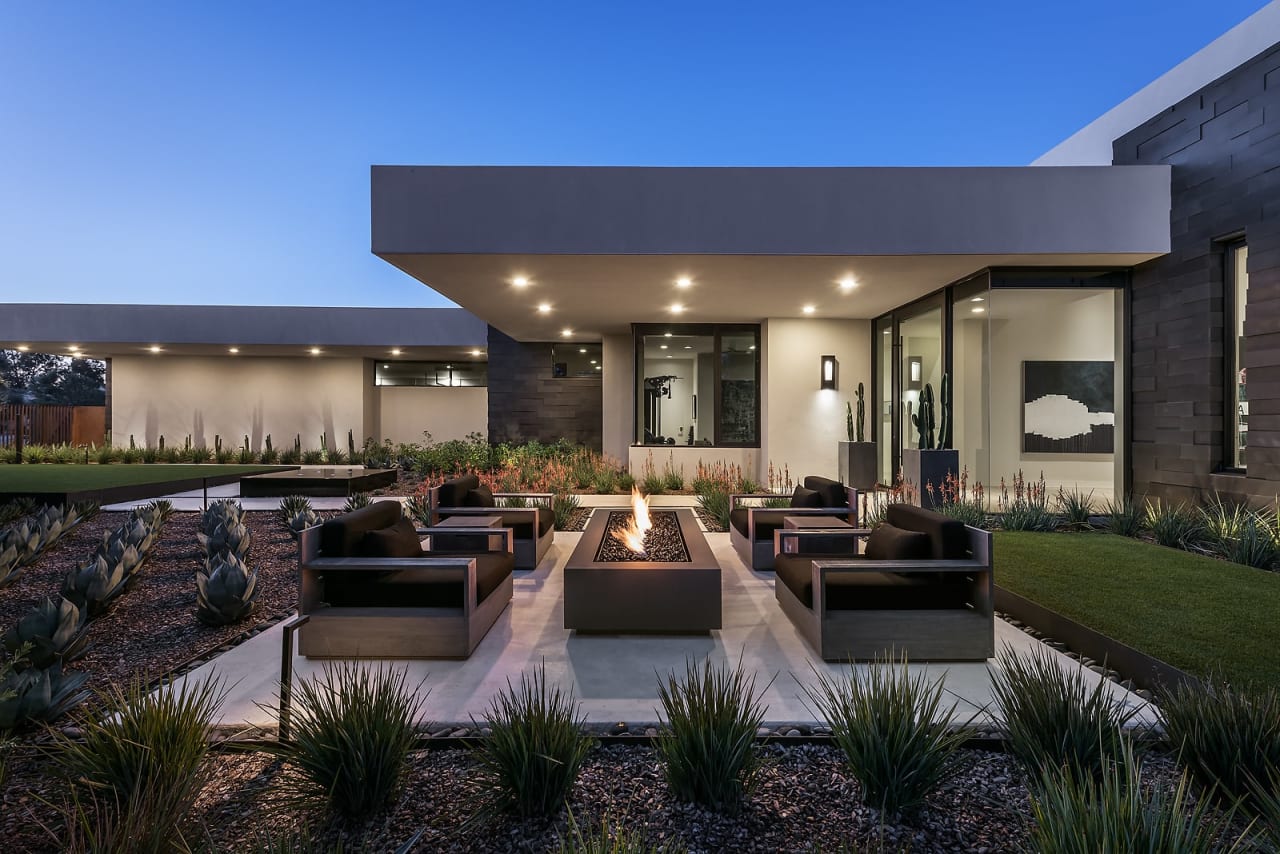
column 220, row 152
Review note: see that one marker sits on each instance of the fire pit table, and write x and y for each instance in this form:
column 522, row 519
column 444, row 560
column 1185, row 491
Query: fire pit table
column 672, row 587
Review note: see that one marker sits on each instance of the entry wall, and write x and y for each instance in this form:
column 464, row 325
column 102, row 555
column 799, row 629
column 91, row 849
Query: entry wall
column 803, row 424
column 446, row 413
column 206, row 396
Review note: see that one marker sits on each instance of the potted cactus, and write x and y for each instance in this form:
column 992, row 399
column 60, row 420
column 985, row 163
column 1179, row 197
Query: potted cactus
column 857, row 457
column 927, row 466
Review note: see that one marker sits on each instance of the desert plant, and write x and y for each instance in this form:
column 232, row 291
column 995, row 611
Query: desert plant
column 226, row 589
column 707, row 742
column 153, row 743
column 1053, row 719
column 605, row 481
column 1240, row 534
column 672, row 478
column 715, row 503
column 1227, row 737
column 51, row 633
column 233, row 539
column 651, row 482
column 1263, row 800
column 39, row 695
column 892, row 729
column 608, row 840
column 1125, row 515
column 356, row 501
column 531, row 758
column 1116, row 812
column 418, row 508
column 313, row 457
column 301, row 522
column 1028, row 515
column 564, row 505
column 94, row 586
column 351, row 733
column 289, row 507
column 1175, row 525
column 1076, row 508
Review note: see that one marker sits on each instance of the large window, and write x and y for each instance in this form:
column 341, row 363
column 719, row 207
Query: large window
column 1237, row 399
column 576, row 360
column 430, row 374
column 698, row 384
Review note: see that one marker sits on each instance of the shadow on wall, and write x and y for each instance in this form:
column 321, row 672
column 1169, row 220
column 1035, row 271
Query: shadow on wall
column 197, row 429
column 255, row 427
column 151, row 432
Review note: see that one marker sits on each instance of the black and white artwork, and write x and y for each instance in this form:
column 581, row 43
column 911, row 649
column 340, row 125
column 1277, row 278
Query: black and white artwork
column 1068, row 407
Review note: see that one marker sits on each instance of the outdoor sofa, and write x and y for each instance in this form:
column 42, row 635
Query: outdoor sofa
column 370, row 590
column 922, row 587
column 751, row 529
column 533, row 527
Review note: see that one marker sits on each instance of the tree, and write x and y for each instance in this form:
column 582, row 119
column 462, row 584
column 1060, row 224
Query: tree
column 44, row 378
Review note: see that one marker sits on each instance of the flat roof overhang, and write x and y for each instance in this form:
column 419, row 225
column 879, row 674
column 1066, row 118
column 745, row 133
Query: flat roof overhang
column 101, row 331
column 605, row 246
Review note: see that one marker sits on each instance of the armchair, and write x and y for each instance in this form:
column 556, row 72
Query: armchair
column 533, row 527
column 751, row 529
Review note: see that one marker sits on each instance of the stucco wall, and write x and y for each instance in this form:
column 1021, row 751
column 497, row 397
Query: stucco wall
column 804, row 423
column 208, row 396
column 446, row 413
column 618, row 395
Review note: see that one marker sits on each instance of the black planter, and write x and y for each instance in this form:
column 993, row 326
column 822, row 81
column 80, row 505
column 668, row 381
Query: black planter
column 920, row 468
column 858, row 465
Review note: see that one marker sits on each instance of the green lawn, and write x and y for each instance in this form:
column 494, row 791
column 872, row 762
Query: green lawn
column 1197, row 613
column 73, row 478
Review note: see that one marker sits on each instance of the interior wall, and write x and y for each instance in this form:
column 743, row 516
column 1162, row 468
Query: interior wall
column 676, row 411
column 805, row 423
column 618, row 401
column 446, row 413
column 208, row 396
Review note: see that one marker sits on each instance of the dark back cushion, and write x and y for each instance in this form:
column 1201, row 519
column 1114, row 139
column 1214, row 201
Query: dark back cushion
column 341, row 535
column 947, row 537
column 453, row 492
column 481, row 496
column 806, row 498
column 888, row 542
column 399, row 540
column 832, row 491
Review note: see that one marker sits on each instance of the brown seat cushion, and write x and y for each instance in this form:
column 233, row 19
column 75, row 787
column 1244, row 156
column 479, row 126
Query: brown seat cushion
column 342, row 535
column 803, row 497
column 767, row 521
column 832, row 491
column 871, row 590
column 417, row 587
column 399, row 540
column 453, row 492
column 889, row 542
column 948, row 539
column 481, row 496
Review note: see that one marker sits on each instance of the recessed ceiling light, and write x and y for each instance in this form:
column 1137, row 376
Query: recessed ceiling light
column 683, row 282
column 886, row 332
column 808, row 309
column 597, row 367
column 154, row 348
column 593, row 361
column 662, row 347
column 544, row 307
column 676, row 308
column 582, row 350
column 395, row 352
column 315, row 351
column 977, row 309
column 475, row 352
column 386, row 367
column 848, row 283
column 22, row 348
column 752, row 347
column 666, row 335
column 688, row 346
column 448, row 367
column 668, row 357
column 73, row 347
column 520, row 281
column 233, row 350
column 976, row 299
column 566, row 332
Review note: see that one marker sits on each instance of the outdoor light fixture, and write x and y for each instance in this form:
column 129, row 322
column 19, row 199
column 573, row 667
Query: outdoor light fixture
column 676, row 308
column 808, row 309
column 544, row 307
column 520, row 281
column 830, row 372
column 683, row 282
column 848, row 283
column 915, row 373
column 688, row 346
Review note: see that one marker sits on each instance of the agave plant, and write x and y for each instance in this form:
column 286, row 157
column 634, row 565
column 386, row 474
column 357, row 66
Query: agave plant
column 418, row 508
column 11, row 566
column 24, row 539
column 304, row 519
column 117, row 552
column 94, row 585
column 226, row 590
column 52, row 632
column 291, row 506
column 226, row 512
column 356, row 501
column 39, row 695
column 234, row 539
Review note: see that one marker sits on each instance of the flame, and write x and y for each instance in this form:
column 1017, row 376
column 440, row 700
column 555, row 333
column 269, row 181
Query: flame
column 632, row 536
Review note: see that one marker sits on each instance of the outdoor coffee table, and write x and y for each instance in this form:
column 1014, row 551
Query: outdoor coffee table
column 462, row 523
column 841, row 543
column 642, row 596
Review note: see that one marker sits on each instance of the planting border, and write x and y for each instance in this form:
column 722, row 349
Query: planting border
column 136, row 491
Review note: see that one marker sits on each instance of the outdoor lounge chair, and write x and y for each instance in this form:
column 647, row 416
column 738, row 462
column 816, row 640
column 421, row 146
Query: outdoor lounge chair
column 533, row 527
column 370, row 590
column 922, row 587
column 751, row 529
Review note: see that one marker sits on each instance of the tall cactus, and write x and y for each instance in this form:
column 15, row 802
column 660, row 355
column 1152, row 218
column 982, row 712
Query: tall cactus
column 944, row 427
column 351, row 445
column 924, row 419
column 862, row 410
column 848, row 421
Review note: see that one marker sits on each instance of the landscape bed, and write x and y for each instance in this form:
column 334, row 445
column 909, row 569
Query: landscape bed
column 109, row 484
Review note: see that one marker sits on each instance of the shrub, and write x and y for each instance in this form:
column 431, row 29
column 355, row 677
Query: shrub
column 707, row 743
column 605, row 481
column 146, row 757
column 969, row 512
column 352, row 729
column 102, row 454
column 1053, row 719
column 289, row 507
column 1264, row 799
column 608, row 840
column 1240, row 534
column 892, row 730
column 1225, row 736
column 418, row 508
column 356, row 501
column 1028, row 516
column 626, row 482
column 715, row 503
column 564, row 505
column 530, row 760
column 1118, row 814
column 672, row 478
column 1125, row 516
column 313, row 457
column 1076, row 508
column 1174, row 525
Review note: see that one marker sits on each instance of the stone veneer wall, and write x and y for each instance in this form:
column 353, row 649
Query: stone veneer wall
column 526, row 402
column 1224, row 145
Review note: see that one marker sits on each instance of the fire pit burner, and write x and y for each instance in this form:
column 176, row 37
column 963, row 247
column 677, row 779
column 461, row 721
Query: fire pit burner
column 662, row 543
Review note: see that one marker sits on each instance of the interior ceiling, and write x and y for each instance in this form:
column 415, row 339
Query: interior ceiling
column 595, row 295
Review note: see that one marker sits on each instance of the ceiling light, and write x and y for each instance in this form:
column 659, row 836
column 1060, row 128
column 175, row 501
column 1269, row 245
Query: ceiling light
column 676, row 308
column 315, row 351
column 752, row 347
column 475, row 352
column 73, row 347
column 976, row 299
column 597, row 367
column 395, row 352
column 666, row 335
column 977, row 309
column 808, row 309
column 22, row 348
column 688, row 346
column 583, row 350
column 683, row 282
column 154, row 348
column 662, row 347
column 848, row 283
column 544, row 307
column 386, row 367
column 566, row 332
column 593, row 361
column 886, row 332
column 520, row 282
column 233, row 350
column 668, row 357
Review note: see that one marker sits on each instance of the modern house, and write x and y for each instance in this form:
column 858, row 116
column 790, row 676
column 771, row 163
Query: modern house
column 1096, row 314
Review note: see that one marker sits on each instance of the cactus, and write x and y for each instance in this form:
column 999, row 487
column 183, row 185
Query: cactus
column 849, row 432
column 297, row 443
column 225, row 590
column 862, row 409
column 39, row 695
column 161, row 443
column 269, row 448
column 923, row 420
column 217, row 444
column 188, row 445
column 132, row 446
column 944, row 427
column 53, row 633
column 351, row 445
column 246, row 441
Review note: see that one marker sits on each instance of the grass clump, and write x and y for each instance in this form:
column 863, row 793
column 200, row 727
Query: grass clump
column 1076, row 508
column 707, row 743
column 137, row 770
column 564, row 505
column 1226, row 737
column 1053, row 719
column 606, row 840
column 1117, row 813
column 715, row 503
column 892, row 729
column 530, row 760
column 351, row 732
column 1125, row 515
column 1174, row 525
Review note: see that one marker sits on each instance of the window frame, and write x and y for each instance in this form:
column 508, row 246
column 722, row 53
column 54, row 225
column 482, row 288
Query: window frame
column 1230, row 359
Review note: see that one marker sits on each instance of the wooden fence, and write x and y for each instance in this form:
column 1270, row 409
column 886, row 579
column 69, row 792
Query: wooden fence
column 52, row 424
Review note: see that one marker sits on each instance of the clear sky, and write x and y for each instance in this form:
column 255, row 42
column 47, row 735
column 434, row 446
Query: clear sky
column 219, row 152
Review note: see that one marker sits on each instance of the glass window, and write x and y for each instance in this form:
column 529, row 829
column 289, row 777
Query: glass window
column 1237, row 404
column 576, row 360
column 970, row 379
column 432, row 374
column 698, row 384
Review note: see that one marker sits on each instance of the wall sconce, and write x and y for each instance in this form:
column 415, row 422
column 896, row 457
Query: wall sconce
column 830, row 372
column 915, row 373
